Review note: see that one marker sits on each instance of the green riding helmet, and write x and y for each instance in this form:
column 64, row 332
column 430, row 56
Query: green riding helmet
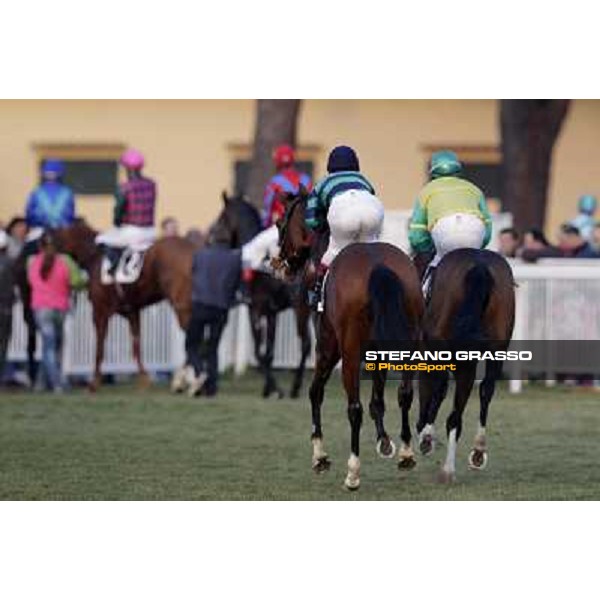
column 444, row 163
column 587, row 204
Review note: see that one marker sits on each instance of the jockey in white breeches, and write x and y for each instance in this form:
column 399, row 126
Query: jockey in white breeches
column 450, row 213
column 346, row 202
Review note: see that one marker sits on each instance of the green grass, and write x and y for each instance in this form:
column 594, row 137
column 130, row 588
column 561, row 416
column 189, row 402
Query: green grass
column 126, row 444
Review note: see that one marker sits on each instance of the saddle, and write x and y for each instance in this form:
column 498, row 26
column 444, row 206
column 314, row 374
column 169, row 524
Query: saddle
column 121, row 265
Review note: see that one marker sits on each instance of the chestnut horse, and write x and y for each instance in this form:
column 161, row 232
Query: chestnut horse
column 372, row 292
column 472, row 302
column 166, row 274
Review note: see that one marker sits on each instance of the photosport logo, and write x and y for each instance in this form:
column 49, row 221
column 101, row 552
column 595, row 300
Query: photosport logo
column 520, row 359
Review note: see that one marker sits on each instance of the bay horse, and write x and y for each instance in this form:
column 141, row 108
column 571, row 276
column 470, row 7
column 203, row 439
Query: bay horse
column 166, row 274
column 472, row 301
column 372, row 292
column 238, row 223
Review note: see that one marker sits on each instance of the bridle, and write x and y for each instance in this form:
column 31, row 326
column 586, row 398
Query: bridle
column 293, row 262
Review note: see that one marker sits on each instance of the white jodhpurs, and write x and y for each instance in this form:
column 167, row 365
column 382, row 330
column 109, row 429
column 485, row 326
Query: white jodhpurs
column 262, row 247
column 354, row 216
column 128, row 236
column 456, row 231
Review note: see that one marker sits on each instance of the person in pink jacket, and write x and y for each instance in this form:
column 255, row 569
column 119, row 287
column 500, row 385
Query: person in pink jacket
column 52, row 277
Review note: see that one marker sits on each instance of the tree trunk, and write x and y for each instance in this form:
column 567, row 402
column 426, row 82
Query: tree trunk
column 276, row 122
column 529, row 129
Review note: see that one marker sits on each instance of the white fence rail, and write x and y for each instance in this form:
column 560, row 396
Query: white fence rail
column 556, row 300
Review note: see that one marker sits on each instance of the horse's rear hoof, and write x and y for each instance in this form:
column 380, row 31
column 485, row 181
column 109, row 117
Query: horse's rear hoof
column 426, row 445
column 408, row 463
column 446, row 478
column 386, row 448
column 321, row 465
column 352, row 483
column 478, row 459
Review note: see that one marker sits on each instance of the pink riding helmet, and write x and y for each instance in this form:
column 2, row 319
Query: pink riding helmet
column 132, row 159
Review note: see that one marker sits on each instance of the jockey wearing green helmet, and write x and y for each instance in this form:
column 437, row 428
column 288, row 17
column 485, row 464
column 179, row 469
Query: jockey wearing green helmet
column 444, row 163
column 449, row 212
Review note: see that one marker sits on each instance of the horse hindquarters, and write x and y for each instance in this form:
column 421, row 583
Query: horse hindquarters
column 390, row 322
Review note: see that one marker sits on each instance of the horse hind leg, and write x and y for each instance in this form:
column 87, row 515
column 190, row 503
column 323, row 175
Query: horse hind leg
column 478, row 457
column 351, row 380
column 465, row 379
column 432, row 391
column 135, row 328
column 385, row 446
column 326, row 361
column 406, row 456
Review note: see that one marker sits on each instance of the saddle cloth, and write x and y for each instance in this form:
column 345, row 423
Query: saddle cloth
column 128, row 269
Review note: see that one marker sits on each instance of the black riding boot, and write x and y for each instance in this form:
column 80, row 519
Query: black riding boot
column 315, row 295
column 427, row 283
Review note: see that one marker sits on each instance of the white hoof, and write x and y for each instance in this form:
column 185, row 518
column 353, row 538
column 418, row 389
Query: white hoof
column 352, row 482
column 392, row 452
column 178, row 382
column 478, row 459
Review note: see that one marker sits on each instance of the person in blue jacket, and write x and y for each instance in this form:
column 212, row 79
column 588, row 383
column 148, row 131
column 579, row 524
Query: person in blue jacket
column 51, row 205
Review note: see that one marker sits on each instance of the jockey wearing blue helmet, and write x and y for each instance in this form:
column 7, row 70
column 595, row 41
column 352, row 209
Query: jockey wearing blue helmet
column 52, row 203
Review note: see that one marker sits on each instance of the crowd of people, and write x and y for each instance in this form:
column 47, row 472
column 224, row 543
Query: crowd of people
column 449, row 212
column 578, row 238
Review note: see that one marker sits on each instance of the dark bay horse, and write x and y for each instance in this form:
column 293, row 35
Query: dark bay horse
column 472, row 301
column 166, row 274
column 372, row 292
column 237, row 224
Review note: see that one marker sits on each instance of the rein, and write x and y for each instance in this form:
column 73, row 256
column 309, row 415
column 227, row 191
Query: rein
column 293, row 262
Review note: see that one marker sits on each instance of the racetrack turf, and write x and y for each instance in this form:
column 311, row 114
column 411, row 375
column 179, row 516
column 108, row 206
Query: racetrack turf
column 127, row 444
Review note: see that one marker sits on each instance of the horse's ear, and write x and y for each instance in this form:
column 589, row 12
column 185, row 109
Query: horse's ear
column 303, row 191
column 225, row 197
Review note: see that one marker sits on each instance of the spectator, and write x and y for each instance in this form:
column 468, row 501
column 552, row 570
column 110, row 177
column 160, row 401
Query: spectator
column 6, row 298
column 17, row 236
column 216, row 276
column 169, row 227
column 595, row 241
column 584, row 221
column 535, row 246
column 508, row 242
column 573, row 245
column 52, row 276
column 196, row 237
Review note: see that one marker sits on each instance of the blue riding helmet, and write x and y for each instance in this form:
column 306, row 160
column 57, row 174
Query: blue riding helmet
column 588, row 204
column 53, row 167
column 444, row 163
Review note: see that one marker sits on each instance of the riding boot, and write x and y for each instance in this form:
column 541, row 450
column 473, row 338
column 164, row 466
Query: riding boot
column 427, row 283
column 315, row 296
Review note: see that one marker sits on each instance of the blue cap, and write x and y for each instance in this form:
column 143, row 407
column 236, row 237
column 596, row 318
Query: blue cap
column 587, row 204
column 53, row 166
column 342, row 158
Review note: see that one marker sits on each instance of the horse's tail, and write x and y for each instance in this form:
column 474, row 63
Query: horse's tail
column 478, row 288
column 386, row 302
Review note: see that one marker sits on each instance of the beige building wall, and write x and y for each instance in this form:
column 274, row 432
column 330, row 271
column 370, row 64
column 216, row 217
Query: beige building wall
column 190, row 146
